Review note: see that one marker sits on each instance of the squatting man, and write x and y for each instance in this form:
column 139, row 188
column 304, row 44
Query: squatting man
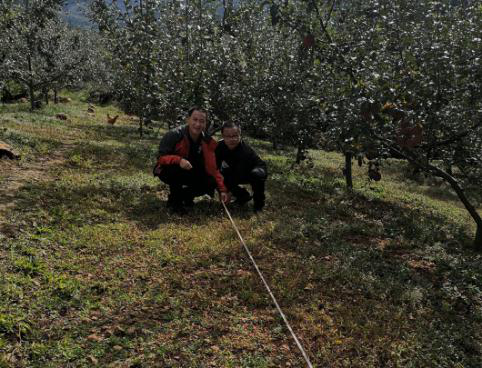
column 188, row 165
column 240, row 164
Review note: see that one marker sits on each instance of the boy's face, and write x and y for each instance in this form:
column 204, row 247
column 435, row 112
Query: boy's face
column 232, row 137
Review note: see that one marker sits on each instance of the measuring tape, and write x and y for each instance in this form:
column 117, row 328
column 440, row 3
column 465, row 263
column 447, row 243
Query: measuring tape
column 303, row 352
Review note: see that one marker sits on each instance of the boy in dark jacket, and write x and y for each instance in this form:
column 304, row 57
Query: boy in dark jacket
column 239, row 164
column 186, row 162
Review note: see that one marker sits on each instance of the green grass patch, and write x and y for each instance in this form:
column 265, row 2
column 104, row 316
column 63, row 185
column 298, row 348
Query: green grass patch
column 95, row 272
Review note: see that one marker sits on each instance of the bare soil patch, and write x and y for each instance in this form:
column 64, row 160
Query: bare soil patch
column 16, row 174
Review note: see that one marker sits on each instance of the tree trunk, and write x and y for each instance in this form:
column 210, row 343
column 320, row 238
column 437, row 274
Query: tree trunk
column 456, row 187
column 46, row 96
column 30, row 84
column 478, row 237
column 56, row 97
column 141, row 121
column 347, row 171
column 300, row 154
column 463, row 198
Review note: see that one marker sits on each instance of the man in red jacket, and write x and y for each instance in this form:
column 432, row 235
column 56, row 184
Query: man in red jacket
column 186, row 162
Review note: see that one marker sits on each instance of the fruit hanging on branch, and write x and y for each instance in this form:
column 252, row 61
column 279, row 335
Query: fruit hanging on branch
column 409, row 136
column 308, row 41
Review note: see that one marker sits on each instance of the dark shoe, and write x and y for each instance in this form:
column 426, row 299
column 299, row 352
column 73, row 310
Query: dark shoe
column 242, row 196
column 241, row 201
column 177, row 209
column 258, row 206
column 188, row 202
column 174, row 205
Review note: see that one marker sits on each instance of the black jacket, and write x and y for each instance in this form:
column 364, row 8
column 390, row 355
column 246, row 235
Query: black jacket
column 240, row 161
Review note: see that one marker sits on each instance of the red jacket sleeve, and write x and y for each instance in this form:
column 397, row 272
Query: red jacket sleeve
column 169, row 160
column 211, row 167
column 167, row 149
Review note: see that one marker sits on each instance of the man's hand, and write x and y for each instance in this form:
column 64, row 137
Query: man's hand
column 185, row 164
column 225, row 197
column 259, row 173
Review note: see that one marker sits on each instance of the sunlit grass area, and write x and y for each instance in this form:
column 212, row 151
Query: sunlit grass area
column 95, row 272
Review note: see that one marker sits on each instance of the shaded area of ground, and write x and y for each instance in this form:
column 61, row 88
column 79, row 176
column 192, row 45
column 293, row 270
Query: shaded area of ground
column 98, row 273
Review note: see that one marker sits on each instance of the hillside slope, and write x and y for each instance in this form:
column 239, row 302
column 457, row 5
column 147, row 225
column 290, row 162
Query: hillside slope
column 95, row 272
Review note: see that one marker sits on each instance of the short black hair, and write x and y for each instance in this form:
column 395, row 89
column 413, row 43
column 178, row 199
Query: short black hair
column 230, row 124
column 197, row 108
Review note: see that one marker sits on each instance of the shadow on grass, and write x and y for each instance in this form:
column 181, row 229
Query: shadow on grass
column 321, row 191
column 326, row 221
column 124, row 156
column 428, row 185
column 393, row 259
column 122, row 132
column 359, row 277
column 367, row 296
column 108, row 202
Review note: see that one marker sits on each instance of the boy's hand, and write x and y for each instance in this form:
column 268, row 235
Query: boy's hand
column 185, row 164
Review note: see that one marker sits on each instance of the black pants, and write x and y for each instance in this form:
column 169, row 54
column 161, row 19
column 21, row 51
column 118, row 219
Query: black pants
column 184, row 185
column 233, row 180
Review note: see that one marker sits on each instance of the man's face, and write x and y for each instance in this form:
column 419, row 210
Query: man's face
column 196, row 123
column 232, row 137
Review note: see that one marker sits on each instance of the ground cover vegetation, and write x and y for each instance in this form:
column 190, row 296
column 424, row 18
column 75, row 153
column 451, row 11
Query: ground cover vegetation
column 95, row 272
column 371, row 272
column 371, row 79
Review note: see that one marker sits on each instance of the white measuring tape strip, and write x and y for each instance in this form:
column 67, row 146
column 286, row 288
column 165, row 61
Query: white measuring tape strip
column 307, row 359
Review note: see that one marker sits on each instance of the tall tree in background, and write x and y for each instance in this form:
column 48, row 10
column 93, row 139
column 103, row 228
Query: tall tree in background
column 39, row 52
column 404, row 82
column 373, row 77
column 132, row 33
column 29, row 24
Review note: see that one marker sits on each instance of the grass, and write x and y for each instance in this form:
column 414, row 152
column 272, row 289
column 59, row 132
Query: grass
column 95, row 272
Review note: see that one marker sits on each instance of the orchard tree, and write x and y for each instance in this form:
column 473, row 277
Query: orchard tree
column 404, row 80
column 277, row 80
column 416, row 69
column 39, row 52
column 28, row 25
column 6, row 18
column 189, row 58
column 65, row 53
column 434, row 65
column 131, row 33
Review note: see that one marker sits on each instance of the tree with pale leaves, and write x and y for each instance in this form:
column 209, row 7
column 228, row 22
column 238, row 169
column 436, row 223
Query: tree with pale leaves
column 40, row 52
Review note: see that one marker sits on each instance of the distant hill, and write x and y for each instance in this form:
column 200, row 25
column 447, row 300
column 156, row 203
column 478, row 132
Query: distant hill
column 75, row 13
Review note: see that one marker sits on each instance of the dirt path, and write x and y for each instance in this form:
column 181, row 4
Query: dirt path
column 16, row 174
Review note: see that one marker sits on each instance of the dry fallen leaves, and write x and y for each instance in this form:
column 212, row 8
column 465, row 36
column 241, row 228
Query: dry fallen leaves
column 95, row 338
column 93, row 360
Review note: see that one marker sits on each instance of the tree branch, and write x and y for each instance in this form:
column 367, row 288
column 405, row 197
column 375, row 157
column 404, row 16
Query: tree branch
column 427, row 167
